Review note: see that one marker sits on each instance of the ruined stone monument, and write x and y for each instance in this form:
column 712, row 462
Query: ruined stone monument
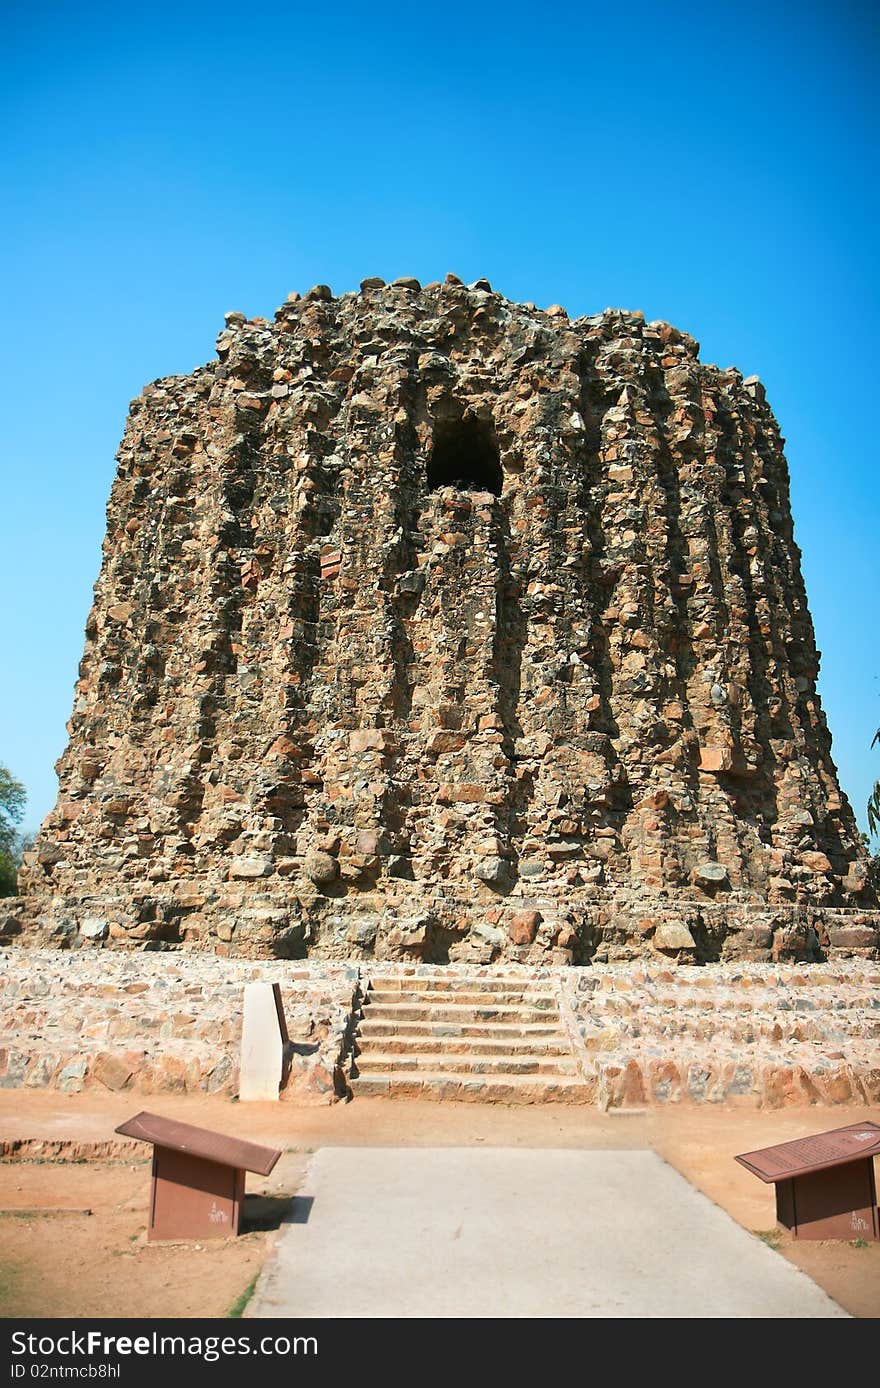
column 434, row 626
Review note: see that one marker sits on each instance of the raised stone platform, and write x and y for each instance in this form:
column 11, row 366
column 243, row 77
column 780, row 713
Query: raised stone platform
column 611, row 1035
column 623, row 1036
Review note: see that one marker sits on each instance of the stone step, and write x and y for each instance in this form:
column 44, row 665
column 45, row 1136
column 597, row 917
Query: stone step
column 745, row 1030
column 512, row 1089
column 497, row 1031
column 420, row 1043
column 458, row 984
column 477, row 998
column 371, row 1062
column 626, row 1004
column 451, row 1012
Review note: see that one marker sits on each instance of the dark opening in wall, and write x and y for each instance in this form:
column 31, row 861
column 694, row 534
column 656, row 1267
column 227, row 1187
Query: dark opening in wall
column 465, row 455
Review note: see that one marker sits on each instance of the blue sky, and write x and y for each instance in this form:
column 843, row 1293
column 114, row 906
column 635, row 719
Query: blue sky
column 712, row 165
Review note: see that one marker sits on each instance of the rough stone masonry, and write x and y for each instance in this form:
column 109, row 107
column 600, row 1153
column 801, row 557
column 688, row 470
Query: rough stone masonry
column 436, row 627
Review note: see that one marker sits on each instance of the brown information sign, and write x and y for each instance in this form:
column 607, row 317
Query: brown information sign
column 197, row 1188
column 200, row 1142
column 815, row 1153
column 825, row 1186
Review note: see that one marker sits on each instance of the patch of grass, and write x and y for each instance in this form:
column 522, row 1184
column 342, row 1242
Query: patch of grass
column 236, row 1310
column 8, row 1284
column 772, row 1237
column 131, row 1161
column 859, row 1243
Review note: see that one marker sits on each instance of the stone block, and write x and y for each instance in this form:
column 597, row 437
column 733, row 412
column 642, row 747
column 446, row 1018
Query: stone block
column 523, row 926
column 263, row 1040
column 320, row 868
column 492, row 870
column 250, row 867
column 860, row 937
column 371, row 842
column 716, row 759
column 94, row 928
column 114, row 1071
column 817, row 862
column 710, row 876
column 369, row 740
column 673, row 935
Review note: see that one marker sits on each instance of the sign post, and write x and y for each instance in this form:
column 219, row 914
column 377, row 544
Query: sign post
column 198, row 1176
column 825, row 1185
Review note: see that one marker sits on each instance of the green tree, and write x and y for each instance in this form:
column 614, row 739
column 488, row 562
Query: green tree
column 13, row 798
column 874, row 802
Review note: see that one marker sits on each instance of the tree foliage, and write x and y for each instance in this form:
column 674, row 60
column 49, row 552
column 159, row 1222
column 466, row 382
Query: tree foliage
column 874, row 802
column 13, row 798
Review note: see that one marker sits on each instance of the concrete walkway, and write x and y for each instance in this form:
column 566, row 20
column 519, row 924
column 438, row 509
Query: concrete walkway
column 483, row 1232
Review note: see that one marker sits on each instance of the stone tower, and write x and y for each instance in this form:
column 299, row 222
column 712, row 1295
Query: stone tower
column 435, row 626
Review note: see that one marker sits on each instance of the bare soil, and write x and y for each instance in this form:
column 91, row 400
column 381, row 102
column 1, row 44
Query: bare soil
column 57, row 1260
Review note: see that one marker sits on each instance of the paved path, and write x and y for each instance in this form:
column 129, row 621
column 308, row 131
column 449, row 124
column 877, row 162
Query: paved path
column 450, row 1232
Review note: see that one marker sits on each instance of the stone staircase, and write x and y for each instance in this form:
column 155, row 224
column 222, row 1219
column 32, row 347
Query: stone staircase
column 482, row 1037
column 621, row 1036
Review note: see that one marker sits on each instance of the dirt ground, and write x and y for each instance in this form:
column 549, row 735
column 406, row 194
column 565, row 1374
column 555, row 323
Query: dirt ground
column 58, row 1260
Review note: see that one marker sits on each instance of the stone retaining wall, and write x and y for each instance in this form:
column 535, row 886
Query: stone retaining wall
column 159, row 1022
column 759, row 1033
column 642, row 1033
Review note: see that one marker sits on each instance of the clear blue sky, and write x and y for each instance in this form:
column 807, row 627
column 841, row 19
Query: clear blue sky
column 714, row 165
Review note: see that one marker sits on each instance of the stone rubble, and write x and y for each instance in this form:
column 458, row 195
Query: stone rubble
column 433, row 626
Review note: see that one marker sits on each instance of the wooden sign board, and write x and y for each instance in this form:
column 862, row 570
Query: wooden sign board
column 825, row 1187
column 198, row 1177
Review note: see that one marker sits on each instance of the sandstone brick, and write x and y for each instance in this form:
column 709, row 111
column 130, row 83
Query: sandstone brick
column 114, row 1071
column 861, row 937
column 817, row 862
column 716, row 759
column 523, row 926
column 369, row 740
column 673, row 935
